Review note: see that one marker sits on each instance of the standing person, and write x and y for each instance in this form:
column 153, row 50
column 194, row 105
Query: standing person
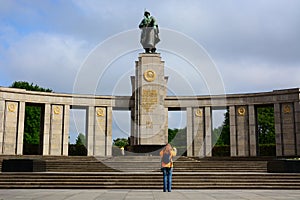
column 167, row 166
column 149, row 35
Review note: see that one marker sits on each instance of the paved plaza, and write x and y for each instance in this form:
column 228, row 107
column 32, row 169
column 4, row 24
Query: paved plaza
column 67, row 194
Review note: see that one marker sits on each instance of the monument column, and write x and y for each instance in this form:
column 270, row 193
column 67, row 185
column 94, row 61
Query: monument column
column 46, row 137
column 20, row 133
column 90, row 130
column 297, row 126
column 100, row 130
column 199, row 147
column 285, row 129
column 233, row 136
column 149, row 112
column 242, row 119
column 252, row 131
column 66, row 128
column 56, row 129
column 108, row 145
column 10, row 128
column 195, row 132
column 278, row 130
column 189, row 132
column 208, row 131
column 2, row 110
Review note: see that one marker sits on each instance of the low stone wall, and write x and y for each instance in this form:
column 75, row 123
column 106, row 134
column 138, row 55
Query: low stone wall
column 284, row 166
column 23, row 165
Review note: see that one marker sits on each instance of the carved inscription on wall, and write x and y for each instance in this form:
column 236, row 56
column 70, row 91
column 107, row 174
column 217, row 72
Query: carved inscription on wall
column 149, row 99
column 149, row 124
column 286, row 109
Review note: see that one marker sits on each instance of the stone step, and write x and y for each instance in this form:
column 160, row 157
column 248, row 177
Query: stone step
column 144, row 163
column 149, row 180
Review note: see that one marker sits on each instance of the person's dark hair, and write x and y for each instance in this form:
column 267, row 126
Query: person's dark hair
column 146, row 13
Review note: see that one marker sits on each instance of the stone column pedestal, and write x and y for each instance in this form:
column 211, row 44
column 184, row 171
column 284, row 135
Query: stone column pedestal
column 149, row 115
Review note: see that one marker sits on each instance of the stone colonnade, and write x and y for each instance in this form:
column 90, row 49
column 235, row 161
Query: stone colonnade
column 56, row 116
column 55, row 111
column 243, row 121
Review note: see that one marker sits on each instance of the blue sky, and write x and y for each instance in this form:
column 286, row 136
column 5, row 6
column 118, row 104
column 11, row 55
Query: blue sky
column 254, row 44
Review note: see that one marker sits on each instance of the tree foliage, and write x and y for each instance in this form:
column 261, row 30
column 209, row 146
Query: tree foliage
column 32, row 125
column 121, row 142
column 221, row 135
column 32, row 114
column 80, row 140
column 265, row 128
column 265, row 125
column 177, row 137
column 28, row 86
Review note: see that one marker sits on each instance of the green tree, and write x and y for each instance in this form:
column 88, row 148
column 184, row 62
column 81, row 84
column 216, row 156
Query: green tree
column 171, row 134
column 32, row 124
column 80, row 140
column 28, row 86
column 265, row 125
column 221, row 134
column 121, row 142
column 177, row 137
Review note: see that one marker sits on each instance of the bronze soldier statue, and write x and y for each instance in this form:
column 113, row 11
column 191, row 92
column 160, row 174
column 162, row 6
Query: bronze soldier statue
column 149, row 35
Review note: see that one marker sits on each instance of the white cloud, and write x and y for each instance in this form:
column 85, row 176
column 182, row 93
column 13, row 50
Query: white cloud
column 46, row 59
column 235, row 33
column 251, row 76
column 255, row 44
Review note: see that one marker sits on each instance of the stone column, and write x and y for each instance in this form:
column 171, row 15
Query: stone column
column 100, row 131
column 278, row 129
column 66, row 128
column 56, row 129
column 233, row 136
column 288, row 129
column 90, row 136
column 252, row 131
column 208, row 131
column 109, row 132
column 47, row 125
column 2, row 110
column 242, row 120
column 199, row 133
column 189, row 132
column 297, row 126
column 20, row 133
column 10, row 128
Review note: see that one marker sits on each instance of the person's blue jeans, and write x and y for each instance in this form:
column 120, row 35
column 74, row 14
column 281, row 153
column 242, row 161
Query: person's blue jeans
column 167, row 174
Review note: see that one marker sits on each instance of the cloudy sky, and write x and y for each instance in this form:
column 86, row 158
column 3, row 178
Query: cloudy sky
column 254, row 44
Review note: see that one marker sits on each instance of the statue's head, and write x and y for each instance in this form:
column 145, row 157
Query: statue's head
column 146, row 13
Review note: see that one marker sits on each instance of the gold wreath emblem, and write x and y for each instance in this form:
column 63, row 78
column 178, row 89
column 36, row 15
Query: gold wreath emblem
column 100, row 112
column 242, row 111
column 11, row 107
column 56, row 110
column 149, row 75
column 287, row 109
column 198, row 112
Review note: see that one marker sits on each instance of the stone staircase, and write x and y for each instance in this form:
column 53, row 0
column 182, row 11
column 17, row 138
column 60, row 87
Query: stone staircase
column 143, row 172
column 117, row 180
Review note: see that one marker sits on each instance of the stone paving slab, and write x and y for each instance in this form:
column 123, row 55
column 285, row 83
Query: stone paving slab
column 65, row 194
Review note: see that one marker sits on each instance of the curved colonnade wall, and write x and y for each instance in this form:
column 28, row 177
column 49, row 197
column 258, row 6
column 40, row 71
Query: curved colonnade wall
column 56, row 115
